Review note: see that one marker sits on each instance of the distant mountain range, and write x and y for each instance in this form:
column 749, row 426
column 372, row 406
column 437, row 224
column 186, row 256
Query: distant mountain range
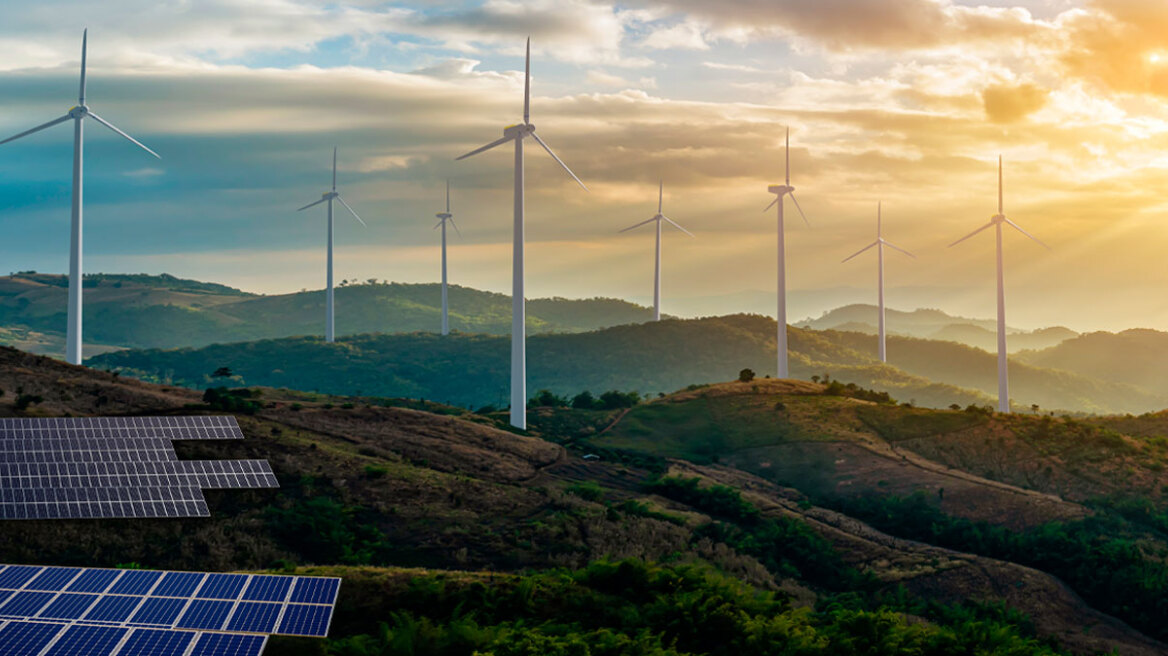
column 143, row 311
column 935, row 324
column 472, row 370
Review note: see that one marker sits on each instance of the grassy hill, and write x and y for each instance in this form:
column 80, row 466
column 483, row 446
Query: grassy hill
column 937, row 325
column 1138, row 357
column 652, row 358
column 455, row 536
column 143, row 311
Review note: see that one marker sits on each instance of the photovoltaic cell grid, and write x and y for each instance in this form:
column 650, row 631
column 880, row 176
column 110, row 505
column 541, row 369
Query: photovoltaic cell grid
column 103, row 612
column 101, row 467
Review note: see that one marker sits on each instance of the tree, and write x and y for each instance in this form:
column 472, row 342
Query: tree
column 584, row 401
column 223, row 372
column 746, row 375
column 1034, row 408
column 954, row 406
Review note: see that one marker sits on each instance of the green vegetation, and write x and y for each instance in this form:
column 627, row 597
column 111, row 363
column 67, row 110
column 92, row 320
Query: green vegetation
column 1102, row 557
column 630, row 608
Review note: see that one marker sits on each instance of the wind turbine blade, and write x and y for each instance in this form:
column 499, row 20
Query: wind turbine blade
column 448, row 196
column 476, row 151
column 879, row 220
column 561, row 162
column 456, row 227
column 859, row 251
column 788, row 156
column 638, row 225
column 800, row 210
column 898, row 248
column 311, row 204
column 84, row 44
column 1000, row 204
column 675, row 225
column 37, row 128
column 772, row 204
column 334, row 168
column 660, row 194
column 988, row 225
column 128, row 137
column 351, row 211
column 1036, row 239
column 438, row 225
column 527, row 84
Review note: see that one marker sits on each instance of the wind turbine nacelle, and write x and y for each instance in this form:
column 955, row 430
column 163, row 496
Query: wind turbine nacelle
column 329, row 194
column 79, row 111
column 998, row 218
column 780, row 189
column 443, row 216
column 518, row 131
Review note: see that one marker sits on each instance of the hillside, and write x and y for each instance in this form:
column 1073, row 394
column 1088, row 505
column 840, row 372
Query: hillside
column 143, row 311
column 652, row 358
column 1138, row 357
column 506, row 526
column 936, row 325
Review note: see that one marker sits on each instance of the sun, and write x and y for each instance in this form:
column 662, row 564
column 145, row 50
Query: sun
column 1157, row 58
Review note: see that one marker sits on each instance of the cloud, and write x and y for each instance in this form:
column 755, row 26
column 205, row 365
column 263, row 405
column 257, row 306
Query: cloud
column 1111, row 44
column 603, row 79
column 686, row 35
column 1008, row 104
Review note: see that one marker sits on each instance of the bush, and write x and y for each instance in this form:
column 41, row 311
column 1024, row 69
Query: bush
column 746, row 375
column 25, row 400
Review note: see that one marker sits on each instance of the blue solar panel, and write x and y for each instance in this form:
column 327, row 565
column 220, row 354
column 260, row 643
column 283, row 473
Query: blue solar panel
column 15, row 576
column 5, row 594
column 81, row 639
column 228, row 644
column 135, row 582
column 315, row 591
column 254, row 617
column 112, row 609
column 53, row 579
column 268, row 588
column 26, row 637
column 204, row 614
column 158, row 610
column 93, row 580
column 155, row 642
column 305, row 620
column 25, row 604
column 68, row 606
column 178, row 584
column 222, row 586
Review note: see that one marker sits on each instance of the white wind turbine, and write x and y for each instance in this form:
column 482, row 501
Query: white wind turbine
column 996, row 221
column 79, row 113
column 879, row 244
column 443, row 218
column 657, row 271
column 329, row 332
column 518, row 133
column 780, row 191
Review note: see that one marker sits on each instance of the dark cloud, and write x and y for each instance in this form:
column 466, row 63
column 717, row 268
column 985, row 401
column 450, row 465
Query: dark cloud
column 1006, row 103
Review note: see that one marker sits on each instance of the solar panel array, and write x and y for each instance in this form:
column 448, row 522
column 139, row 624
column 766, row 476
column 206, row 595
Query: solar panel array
column 97, row 467
column 67, row 611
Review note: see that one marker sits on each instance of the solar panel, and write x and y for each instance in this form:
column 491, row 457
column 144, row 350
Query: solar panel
column 25, row 638
column 116, row 467
column 149, row 599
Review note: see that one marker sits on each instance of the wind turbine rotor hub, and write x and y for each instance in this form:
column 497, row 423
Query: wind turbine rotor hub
column 80, row 111
column 998, row 218
column 780, row 189
column 518, row 131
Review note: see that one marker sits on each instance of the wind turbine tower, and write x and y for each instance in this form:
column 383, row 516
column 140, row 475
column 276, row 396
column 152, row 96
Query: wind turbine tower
column 518, row 133
column 996, row 222
column 78, row 114
column 443, row 218
column 781, row 191
column 329, row 196
column 879, row 244
column 657, row 270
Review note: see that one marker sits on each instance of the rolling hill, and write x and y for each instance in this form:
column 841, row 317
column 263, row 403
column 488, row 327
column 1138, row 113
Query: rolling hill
column 652, row 358
column 937, row 325
column 143, row 311
column 455, row 536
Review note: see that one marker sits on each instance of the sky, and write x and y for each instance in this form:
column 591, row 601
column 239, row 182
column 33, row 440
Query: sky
column 904, row 102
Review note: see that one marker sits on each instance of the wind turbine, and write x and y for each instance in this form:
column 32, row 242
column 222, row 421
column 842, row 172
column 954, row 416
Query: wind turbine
column 879, row 244
column 518, row 133
column 780, row 191
column 657, row 271
column 329, row 332
column 443, row 217
column 996, row 221
column 79, row 113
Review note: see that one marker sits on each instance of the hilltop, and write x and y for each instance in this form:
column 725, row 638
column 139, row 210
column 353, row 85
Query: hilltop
column 651, row 358
column 374, row 488
column 936, row 325
column 145, row 311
